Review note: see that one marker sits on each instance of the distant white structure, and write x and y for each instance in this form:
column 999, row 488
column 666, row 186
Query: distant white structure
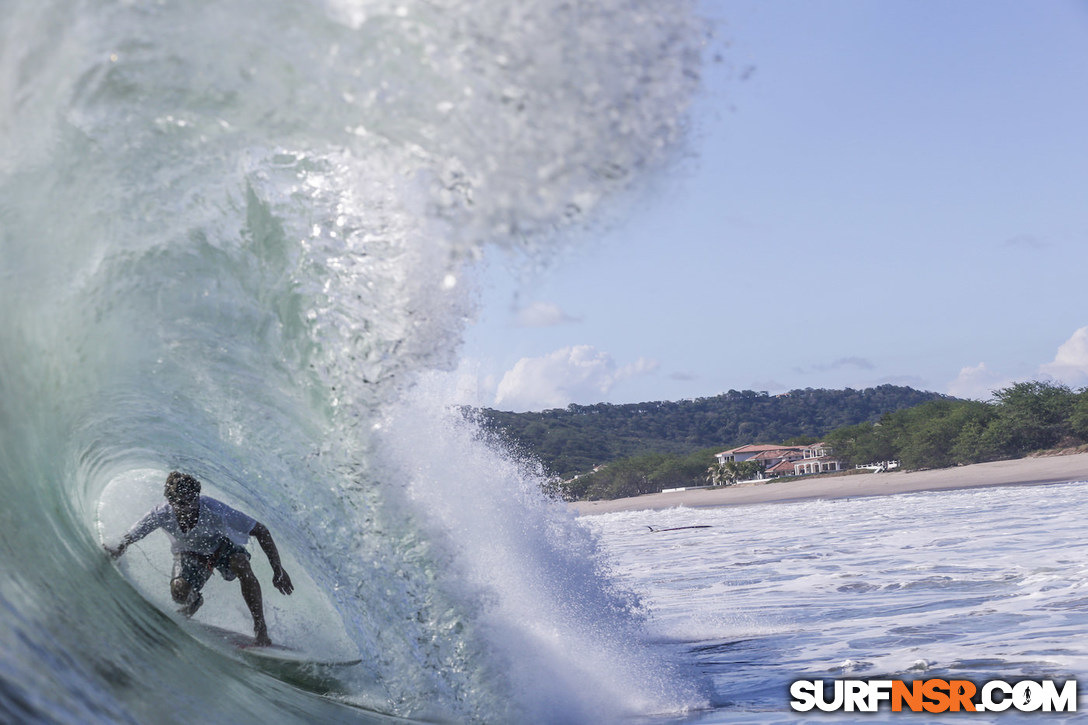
column 879, row 466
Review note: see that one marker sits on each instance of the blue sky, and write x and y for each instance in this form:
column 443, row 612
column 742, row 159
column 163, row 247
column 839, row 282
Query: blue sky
column 877, row 192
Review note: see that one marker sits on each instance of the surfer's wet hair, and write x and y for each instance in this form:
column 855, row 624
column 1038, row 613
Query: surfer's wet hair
column 181, row 485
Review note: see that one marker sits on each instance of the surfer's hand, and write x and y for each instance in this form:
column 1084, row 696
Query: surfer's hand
column 281, row 581
column 114, row 552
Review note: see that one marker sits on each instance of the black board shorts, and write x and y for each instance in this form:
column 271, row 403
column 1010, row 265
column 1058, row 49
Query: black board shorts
column 197, row 568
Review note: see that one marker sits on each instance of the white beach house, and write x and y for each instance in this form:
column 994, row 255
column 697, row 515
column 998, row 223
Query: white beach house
column 783, row 460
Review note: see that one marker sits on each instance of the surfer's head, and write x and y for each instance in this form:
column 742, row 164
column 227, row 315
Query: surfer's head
column 181, row 487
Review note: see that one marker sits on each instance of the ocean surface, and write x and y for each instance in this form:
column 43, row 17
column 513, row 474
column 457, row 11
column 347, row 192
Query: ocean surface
column 977, row 584
column 241, row 239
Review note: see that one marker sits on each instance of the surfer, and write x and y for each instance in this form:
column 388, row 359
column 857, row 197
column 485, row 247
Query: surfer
column 206, row 534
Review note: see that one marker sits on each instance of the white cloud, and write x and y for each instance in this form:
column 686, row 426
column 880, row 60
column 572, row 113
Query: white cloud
column 543, row 314
column 578, row 374
column 1070, row 364
column 977, row 382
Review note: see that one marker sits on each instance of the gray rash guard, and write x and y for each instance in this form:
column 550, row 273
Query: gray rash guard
column 215, row 521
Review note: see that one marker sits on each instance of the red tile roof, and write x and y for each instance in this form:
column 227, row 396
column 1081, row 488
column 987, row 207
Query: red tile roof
column 782, row 466
column 777, row 453
column 753, row 448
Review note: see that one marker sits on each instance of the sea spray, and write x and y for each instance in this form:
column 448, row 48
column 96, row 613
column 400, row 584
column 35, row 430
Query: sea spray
column 232, row 236
column 570, row 639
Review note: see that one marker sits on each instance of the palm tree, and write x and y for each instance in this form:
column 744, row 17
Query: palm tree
column 722, row 474
column 728, row 473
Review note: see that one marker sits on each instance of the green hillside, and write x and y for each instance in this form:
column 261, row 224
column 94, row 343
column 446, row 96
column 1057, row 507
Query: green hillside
column 574, row 439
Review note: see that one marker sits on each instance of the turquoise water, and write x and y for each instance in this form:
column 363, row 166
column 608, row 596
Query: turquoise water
column 975, row 584
column 235, row 238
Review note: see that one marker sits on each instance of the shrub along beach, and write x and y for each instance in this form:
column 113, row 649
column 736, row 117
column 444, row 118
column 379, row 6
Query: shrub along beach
column 1057, row 468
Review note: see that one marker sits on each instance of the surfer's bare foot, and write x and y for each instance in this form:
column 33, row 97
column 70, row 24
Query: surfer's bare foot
column 260, row 638
column 192, row 604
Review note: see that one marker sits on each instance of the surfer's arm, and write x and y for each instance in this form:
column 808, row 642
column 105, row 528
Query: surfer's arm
column 280, row 580
column 140, row 529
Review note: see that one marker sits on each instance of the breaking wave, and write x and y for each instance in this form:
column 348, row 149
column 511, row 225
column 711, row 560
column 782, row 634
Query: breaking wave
column 235, row 238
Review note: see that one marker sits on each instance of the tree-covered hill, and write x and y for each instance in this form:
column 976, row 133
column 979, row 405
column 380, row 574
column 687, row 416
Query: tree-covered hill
column 1023, row 418
column 573, row 440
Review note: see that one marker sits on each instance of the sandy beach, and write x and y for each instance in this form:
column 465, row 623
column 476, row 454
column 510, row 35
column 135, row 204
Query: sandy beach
column 1023, row 471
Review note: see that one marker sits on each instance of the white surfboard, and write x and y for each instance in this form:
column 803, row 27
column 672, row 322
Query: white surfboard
column 247, row 644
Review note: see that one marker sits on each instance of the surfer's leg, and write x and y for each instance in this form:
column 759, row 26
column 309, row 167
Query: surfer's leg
column 251, row 592
column 189, row 576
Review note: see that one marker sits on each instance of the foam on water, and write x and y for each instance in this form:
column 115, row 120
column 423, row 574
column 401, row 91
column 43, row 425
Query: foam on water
column 973, row 584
